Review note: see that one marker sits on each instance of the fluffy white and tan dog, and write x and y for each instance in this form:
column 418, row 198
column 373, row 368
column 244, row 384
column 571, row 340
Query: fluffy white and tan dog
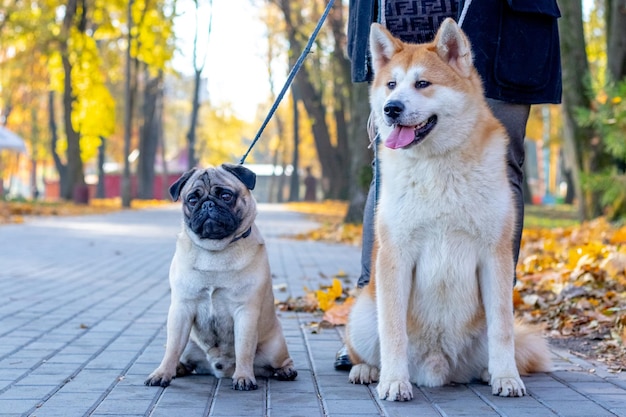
column 439, row 308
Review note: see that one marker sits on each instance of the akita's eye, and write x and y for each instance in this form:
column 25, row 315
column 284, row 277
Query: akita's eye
column 391, row 85
column 421, row 84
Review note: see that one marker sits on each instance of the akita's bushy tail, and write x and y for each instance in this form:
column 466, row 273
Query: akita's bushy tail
column 532, row 353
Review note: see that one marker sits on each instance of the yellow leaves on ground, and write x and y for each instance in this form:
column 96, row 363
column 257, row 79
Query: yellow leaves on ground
column 330, row 214
column 333, row 300
column 573, row 281
column 326, row 297
column 328, row 210
column 14, row 211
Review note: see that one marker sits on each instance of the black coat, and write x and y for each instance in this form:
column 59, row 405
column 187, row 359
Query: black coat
column 515, row 45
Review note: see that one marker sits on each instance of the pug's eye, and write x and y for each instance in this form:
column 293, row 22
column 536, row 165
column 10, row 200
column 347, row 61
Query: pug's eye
column 226, row 196
column 192, row 199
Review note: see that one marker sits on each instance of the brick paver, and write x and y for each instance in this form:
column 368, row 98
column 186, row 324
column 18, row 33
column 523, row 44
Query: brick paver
column 82, row 322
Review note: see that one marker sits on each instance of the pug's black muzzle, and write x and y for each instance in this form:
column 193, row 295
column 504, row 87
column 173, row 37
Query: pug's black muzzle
column 212, row 219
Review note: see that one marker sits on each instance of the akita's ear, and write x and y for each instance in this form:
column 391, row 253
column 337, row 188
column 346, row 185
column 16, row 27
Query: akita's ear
column 454, row 47
column 382, row 46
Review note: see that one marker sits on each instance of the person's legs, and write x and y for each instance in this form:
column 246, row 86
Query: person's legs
column 342, row 359
column 367, row 239
column 514, row 118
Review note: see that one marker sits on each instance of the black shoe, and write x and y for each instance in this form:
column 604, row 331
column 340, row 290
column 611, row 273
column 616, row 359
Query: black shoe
column 342, row 359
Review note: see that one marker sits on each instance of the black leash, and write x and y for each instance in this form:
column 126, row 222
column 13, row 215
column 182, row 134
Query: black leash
column 290, row 78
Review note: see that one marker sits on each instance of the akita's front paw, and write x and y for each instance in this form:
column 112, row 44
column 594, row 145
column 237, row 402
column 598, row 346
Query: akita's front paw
column 508, row 387
column 398, row 390
column 244, row 383
column 159, row 378
column 363, row 373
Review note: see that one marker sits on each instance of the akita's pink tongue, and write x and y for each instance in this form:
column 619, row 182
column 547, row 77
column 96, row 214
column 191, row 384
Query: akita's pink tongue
column 400, row 137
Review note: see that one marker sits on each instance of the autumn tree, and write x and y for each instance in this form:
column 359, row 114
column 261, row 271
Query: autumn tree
column 154, row 51
column 199, row 61
column 316, row 94
column 150, row 134
column 149, row 49
column 602, row 117
column 23, row 72
column 578, row 140
column 277, row 141
column 61, row 36
column 616, row 38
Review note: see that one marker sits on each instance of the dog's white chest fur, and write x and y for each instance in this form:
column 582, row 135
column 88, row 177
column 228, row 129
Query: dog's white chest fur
column 435, row 211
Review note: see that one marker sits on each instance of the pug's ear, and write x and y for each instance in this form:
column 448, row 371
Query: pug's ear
column 246, row 176
column 177, row 187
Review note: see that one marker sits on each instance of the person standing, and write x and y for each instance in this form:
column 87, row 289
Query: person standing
column 310, row 186
column 516, row 52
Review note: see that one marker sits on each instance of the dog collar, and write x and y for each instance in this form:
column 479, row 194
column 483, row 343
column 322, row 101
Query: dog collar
column 244, row 235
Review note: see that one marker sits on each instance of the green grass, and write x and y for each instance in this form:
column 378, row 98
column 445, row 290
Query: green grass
column 562, row 215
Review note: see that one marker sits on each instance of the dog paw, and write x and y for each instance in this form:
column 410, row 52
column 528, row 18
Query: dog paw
column 508, row 387
column 398, row 390
column 363, row 373
column 183, row 370
column 287, row 373
column 244, row 383
column 159, row 378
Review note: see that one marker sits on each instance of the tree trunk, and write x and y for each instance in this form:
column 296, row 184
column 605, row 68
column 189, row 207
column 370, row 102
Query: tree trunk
column 101, row 188
column 195, row 109
column 616, row 38
column 195, row 100
column 574, row 63
column 341, row 95
column 74, row 177
column 149, row 138
column 54, row 138
column 334, row 171
column 128, row 113
column 277, row 181
column 361, row 156
column 294, row 181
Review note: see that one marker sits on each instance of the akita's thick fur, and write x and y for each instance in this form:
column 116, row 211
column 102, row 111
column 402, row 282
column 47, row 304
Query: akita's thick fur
column 441, row 292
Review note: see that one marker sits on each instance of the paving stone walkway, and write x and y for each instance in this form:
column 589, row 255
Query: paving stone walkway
column 83, row 305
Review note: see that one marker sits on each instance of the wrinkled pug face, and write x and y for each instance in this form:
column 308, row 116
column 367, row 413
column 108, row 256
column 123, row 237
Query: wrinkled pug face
column 217, row 202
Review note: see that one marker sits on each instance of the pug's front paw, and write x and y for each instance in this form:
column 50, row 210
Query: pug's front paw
column 286, row 373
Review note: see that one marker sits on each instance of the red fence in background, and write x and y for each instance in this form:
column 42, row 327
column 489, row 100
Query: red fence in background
column 113, row 187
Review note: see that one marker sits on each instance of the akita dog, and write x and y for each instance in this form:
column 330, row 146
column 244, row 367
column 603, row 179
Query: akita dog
column 439, row 307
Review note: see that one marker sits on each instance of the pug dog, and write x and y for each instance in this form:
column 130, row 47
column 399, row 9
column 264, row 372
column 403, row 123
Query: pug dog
column 221, row 319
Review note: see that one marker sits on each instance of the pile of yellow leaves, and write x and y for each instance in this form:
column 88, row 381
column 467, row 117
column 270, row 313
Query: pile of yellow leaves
column 330, row 215
column 573, row 282
column 334, row 301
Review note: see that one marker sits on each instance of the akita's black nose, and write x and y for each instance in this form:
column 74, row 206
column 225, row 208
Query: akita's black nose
column 393, row 109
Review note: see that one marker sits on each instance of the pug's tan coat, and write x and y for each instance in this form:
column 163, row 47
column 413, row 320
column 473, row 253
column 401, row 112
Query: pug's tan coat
column 222, row 317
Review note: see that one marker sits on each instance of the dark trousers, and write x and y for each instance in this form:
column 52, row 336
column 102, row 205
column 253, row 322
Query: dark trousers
column 514, row 118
